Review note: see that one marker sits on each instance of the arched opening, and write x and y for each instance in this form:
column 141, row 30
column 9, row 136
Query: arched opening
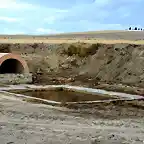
column 11, row 66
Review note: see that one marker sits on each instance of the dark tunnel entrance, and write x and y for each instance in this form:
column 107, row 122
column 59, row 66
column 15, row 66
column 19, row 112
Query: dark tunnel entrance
column 11, row 66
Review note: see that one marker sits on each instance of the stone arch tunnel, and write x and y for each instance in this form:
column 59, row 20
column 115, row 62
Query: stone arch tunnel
column 12, row 64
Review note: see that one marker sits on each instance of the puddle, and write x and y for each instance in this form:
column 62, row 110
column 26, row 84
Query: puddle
column 60, row 95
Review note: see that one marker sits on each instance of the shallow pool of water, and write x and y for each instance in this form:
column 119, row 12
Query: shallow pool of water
column 63, row 95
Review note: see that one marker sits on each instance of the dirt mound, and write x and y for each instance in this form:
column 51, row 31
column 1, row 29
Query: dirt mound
column 83, row 64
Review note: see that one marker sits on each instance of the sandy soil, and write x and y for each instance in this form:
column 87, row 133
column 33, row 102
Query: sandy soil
column 26, row 123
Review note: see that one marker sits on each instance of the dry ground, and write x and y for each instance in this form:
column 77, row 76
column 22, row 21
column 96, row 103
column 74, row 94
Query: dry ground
column 110, row 66
column 109, row 37
column 117, row 67
column 64, row 40
column 26, row 123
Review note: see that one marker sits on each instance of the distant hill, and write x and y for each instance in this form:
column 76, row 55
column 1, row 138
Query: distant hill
column 109, row 35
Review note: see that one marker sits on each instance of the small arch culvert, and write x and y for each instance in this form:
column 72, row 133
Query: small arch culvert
column 13, row 64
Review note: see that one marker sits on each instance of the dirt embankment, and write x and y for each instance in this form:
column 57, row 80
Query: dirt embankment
column 115, row 67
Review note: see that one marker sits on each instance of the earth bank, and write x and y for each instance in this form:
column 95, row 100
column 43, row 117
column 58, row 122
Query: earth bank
column 116, row 67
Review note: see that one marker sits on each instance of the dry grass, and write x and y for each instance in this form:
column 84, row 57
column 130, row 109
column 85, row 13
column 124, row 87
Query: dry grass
column 60, row 41
column 107, row 37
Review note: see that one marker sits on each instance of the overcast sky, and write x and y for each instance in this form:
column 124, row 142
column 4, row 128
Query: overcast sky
column 56, row 16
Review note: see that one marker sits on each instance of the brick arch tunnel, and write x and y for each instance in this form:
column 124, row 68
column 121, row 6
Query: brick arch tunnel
column 12, row 64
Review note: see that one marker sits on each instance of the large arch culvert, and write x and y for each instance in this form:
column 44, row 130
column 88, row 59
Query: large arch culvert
column 12, row 64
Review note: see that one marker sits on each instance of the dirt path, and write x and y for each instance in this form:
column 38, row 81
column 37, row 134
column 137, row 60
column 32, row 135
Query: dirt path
column 26, row 123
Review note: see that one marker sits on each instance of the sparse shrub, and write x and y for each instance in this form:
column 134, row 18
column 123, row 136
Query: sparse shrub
column 81, row 49
column 72, row 50
column 34, row 46
column 5, row 48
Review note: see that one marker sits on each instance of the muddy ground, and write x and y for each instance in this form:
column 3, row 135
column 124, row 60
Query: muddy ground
column 117, row 67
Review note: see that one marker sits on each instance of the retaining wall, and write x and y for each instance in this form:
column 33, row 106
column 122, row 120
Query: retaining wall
column 15, row 78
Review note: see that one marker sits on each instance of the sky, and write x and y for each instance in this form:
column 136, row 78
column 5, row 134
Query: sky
column 59, row 16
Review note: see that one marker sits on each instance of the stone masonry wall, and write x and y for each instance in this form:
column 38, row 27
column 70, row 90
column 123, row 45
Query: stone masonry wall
column 15, row 78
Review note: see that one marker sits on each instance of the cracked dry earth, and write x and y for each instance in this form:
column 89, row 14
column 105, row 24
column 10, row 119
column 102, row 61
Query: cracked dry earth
column 27, row 123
